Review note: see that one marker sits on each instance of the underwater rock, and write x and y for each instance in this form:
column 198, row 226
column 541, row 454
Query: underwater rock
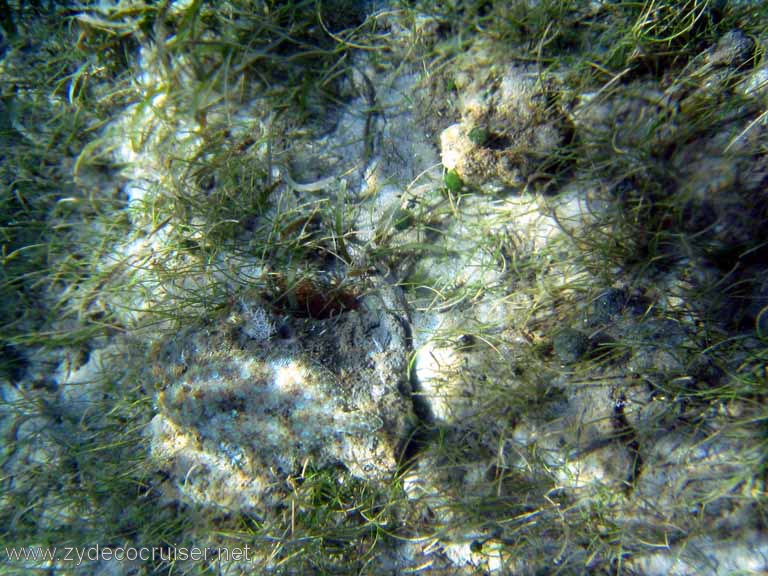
column 240, row 421
column 570, row 345
column 508, row 127
column 606, row 306
column 733, row 49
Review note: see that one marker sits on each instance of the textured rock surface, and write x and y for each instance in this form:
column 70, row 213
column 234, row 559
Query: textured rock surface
column 242, row 416
column 506, row 128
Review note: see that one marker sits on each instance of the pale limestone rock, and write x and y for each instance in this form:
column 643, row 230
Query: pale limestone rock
column 238, row 422
column 520, row 130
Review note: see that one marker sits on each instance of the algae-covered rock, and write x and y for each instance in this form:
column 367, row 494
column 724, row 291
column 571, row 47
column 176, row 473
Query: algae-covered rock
column 733, row 49
column 507, row 127
column 239, row 421
column 606, row 306
column 570, row 345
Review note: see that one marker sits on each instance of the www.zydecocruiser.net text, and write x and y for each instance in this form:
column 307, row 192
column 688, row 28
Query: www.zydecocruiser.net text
column 96, row 553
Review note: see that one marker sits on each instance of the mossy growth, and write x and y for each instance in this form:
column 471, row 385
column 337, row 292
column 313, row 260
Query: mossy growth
column 479, row 135
column 453, row 182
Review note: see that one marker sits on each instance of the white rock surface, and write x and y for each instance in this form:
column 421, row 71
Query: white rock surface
column 238, row 422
